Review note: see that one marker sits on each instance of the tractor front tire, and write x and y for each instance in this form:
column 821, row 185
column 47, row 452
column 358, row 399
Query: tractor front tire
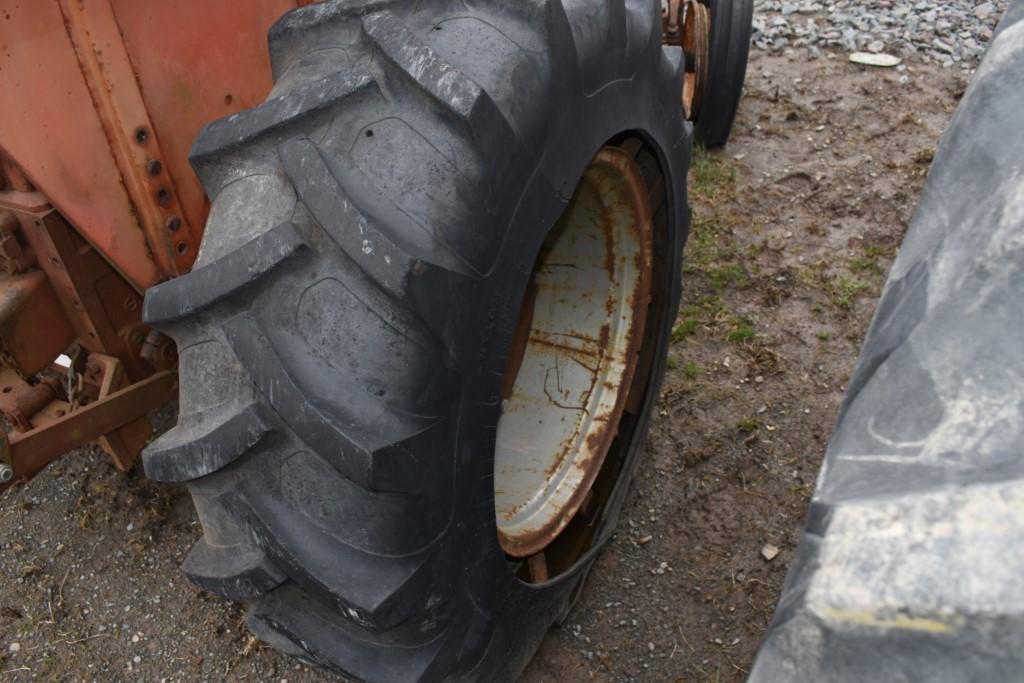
column 345, row 332
column 728, row 51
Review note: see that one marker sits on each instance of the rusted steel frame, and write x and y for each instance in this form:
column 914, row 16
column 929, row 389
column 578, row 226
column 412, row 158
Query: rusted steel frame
column 12, row 176
column 38, row 406
column 104, row 310
column 15, row 256
column 52, row 133
column 20, row 401
column 23, row 202
column 28, row 453
column 125, row 443
column 33, row 327
column 94, row 34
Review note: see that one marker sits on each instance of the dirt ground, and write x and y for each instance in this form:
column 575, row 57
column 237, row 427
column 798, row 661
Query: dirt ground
column 796, row 223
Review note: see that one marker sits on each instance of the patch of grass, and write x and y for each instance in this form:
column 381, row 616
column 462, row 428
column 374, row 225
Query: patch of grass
column 691, row 311
column 711, row 177
column 708, row 241
column 865, row 264
column 824, row 336
column 817, row 308
column 691, row 370
column 845, row 290
column 741, row 333
column 878, row 251
column 720, row 277
column 671, row 362
column 684, row 329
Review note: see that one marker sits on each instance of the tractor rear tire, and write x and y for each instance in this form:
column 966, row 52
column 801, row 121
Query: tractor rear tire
column 345, row 331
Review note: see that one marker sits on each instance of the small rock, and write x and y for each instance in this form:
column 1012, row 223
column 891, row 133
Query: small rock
column 769, row 552
column 645, row 540
column 14, row 647
column 984, row 10
column 872, row 59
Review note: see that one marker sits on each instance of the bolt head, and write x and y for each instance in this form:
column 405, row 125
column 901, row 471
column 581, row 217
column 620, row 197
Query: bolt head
column 6, row 473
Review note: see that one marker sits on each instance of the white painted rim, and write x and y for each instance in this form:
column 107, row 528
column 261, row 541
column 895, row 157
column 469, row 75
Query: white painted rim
column 590, row 292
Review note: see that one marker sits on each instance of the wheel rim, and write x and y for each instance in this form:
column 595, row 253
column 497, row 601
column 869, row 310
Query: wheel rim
column 695, row 41
column 574, row 354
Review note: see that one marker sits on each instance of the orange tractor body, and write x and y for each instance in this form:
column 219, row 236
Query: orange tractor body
column 101, row 102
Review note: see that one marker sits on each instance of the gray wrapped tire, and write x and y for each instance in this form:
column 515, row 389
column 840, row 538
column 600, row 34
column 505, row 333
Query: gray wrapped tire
column 910, row 564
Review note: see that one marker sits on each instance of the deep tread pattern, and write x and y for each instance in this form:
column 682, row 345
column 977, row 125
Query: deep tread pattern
column 205, row 286
column 239, row 572
column 343, row 647
column 314, row 421
column 448, row 86
column 320, row 190
column 280, row 113
column 376, row 592
column 181, row 455
column 340, row 443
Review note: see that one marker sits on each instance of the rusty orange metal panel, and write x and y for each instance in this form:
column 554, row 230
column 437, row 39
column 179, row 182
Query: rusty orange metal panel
column 49, row 125
column 196, row 61
column 102, row 100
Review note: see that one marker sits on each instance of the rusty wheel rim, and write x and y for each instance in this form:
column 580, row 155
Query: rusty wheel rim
column 574, row 355
column 696, row 36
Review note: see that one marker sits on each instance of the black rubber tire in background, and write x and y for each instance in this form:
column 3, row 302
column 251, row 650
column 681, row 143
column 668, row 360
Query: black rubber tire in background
column 343, row 335
column 728, row 50
column 909, row 565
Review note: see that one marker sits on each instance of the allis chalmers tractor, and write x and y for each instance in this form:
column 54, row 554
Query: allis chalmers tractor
column 412, row 283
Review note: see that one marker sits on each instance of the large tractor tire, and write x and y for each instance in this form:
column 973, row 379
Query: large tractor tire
column 427, row 325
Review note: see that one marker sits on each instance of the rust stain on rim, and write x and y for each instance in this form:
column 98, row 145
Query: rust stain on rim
column 695, row 40
column 687, row 24
column 574, row 354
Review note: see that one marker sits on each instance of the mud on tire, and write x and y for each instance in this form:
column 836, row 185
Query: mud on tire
column 344, row 333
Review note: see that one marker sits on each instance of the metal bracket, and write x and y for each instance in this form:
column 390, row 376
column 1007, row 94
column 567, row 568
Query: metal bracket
column 27, row 453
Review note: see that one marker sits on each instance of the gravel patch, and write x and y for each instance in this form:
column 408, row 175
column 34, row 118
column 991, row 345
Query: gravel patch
column 946, row 32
